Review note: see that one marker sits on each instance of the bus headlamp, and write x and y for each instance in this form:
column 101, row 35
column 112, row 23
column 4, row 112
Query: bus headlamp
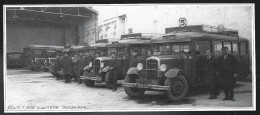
column 140, row 66
column 163, row 67
column 102, row 64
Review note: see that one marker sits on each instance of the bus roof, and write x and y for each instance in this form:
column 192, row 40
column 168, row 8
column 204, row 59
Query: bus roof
column 126, row 42
column 44, row 47
column 189, row 36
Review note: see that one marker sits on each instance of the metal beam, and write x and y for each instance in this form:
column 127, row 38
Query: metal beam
column 84, row 16
column 37, row 20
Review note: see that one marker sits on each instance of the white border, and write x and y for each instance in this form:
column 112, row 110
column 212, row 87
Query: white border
column 138, row 109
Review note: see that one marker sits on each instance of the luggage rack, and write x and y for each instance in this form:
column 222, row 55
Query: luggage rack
column 204, row 29
column 139, row 36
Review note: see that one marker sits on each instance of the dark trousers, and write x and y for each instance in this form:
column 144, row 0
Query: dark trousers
column 213, row 90
column 67, row 78
column 113, row 80
column 229, row 92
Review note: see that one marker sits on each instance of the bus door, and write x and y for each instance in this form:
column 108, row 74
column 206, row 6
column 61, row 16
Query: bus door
column 200, row 52
column 243, row 67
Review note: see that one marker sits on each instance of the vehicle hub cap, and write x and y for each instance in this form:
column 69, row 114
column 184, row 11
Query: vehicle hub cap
column 177, row 88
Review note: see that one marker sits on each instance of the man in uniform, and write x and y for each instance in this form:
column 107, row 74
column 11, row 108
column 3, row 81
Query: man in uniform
column 57, row 66
column 75, row 67
column 210, row 78
column 227, row 65
column 134, row 58
column 113, row 72
column 80, row 65
column 66, row 66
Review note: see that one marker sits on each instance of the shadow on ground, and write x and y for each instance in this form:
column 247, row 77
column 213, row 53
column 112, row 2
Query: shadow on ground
column 158, row 99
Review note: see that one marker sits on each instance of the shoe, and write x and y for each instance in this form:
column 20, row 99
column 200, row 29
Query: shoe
column 212, row 97
column 225, row 99
column 232, row 99
column 114, row 89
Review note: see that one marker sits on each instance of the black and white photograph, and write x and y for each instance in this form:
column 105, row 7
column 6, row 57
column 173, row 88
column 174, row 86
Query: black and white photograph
column 129, row 57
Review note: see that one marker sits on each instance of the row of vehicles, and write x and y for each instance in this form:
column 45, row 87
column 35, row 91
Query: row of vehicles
column 170, row 62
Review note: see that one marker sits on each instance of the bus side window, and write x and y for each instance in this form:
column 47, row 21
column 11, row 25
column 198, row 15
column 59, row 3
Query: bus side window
column 243, row 48
column 235, row 48
column 228, row 44
column 217, row 47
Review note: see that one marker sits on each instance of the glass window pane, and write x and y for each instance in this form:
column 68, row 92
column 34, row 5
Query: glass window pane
column 164, row 50
column 217, row 47
column 243, row 48
column 235, row 48
column 228, row 45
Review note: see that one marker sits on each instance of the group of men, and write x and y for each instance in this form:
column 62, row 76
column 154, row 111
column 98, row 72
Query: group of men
column 220, row 73
column 72, row 65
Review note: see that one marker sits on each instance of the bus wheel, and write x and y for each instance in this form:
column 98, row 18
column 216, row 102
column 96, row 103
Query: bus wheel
column 89, row 83
column 178, row 88
column 133, row 92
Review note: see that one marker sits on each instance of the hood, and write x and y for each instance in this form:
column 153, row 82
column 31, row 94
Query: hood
column 167, row 57
column 104, row 58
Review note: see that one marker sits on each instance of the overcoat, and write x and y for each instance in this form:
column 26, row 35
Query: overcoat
column 115, row 64
column 210, row 69
column 133, row 61
column 226, row 69
column 57, row 65
column 67, row 65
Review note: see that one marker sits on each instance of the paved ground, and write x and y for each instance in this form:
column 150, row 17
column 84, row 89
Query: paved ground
column 39, row 91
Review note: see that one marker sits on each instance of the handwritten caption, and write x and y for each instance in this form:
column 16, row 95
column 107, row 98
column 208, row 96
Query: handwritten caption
column 47, row 107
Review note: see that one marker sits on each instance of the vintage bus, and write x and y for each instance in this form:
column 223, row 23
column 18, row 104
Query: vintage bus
column 36, row 55
column 137, row 41
column 176, row 64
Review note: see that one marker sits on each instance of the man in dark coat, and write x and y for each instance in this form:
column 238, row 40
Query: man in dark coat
column 113, row 72
column 134, row 58
column 67, row 68
column 210, row 78
column 57, row 66
column 227, row 65
column 75, row 67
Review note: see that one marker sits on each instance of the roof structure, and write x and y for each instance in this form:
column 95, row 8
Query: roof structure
column 50, row 14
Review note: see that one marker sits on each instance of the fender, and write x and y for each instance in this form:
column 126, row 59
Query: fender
column 105, row 69
column 87, row 68
column 132, row 70
column 172, row 73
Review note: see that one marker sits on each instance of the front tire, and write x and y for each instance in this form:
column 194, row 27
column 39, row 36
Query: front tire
column 107, row 79
column 133, row 92
column 178, row 86
column 89, row 83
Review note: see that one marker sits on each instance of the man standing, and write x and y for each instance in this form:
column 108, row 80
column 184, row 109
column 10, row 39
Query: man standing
column 75, row 67
column 57, row 66
column 113, row 72
column 134, row 58
column 227, row 65
column 66, row 66
column 210, row 65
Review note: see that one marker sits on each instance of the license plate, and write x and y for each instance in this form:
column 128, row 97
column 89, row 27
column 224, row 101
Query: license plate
column 142, row 86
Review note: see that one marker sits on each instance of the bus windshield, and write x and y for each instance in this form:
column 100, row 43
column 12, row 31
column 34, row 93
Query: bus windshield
column 171, row 49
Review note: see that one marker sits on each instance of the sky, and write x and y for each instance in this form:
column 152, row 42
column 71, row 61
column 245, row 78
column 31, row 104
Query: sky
column 149, row 18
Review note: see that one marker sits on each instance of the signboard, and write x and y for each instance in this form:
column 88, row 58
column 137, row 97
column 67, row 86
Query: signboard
column 182, row 22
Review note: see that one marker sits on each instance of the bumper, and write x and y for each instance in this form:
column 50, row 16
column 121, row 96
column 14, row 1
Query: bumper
column 95, row 78
column 146, row 86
